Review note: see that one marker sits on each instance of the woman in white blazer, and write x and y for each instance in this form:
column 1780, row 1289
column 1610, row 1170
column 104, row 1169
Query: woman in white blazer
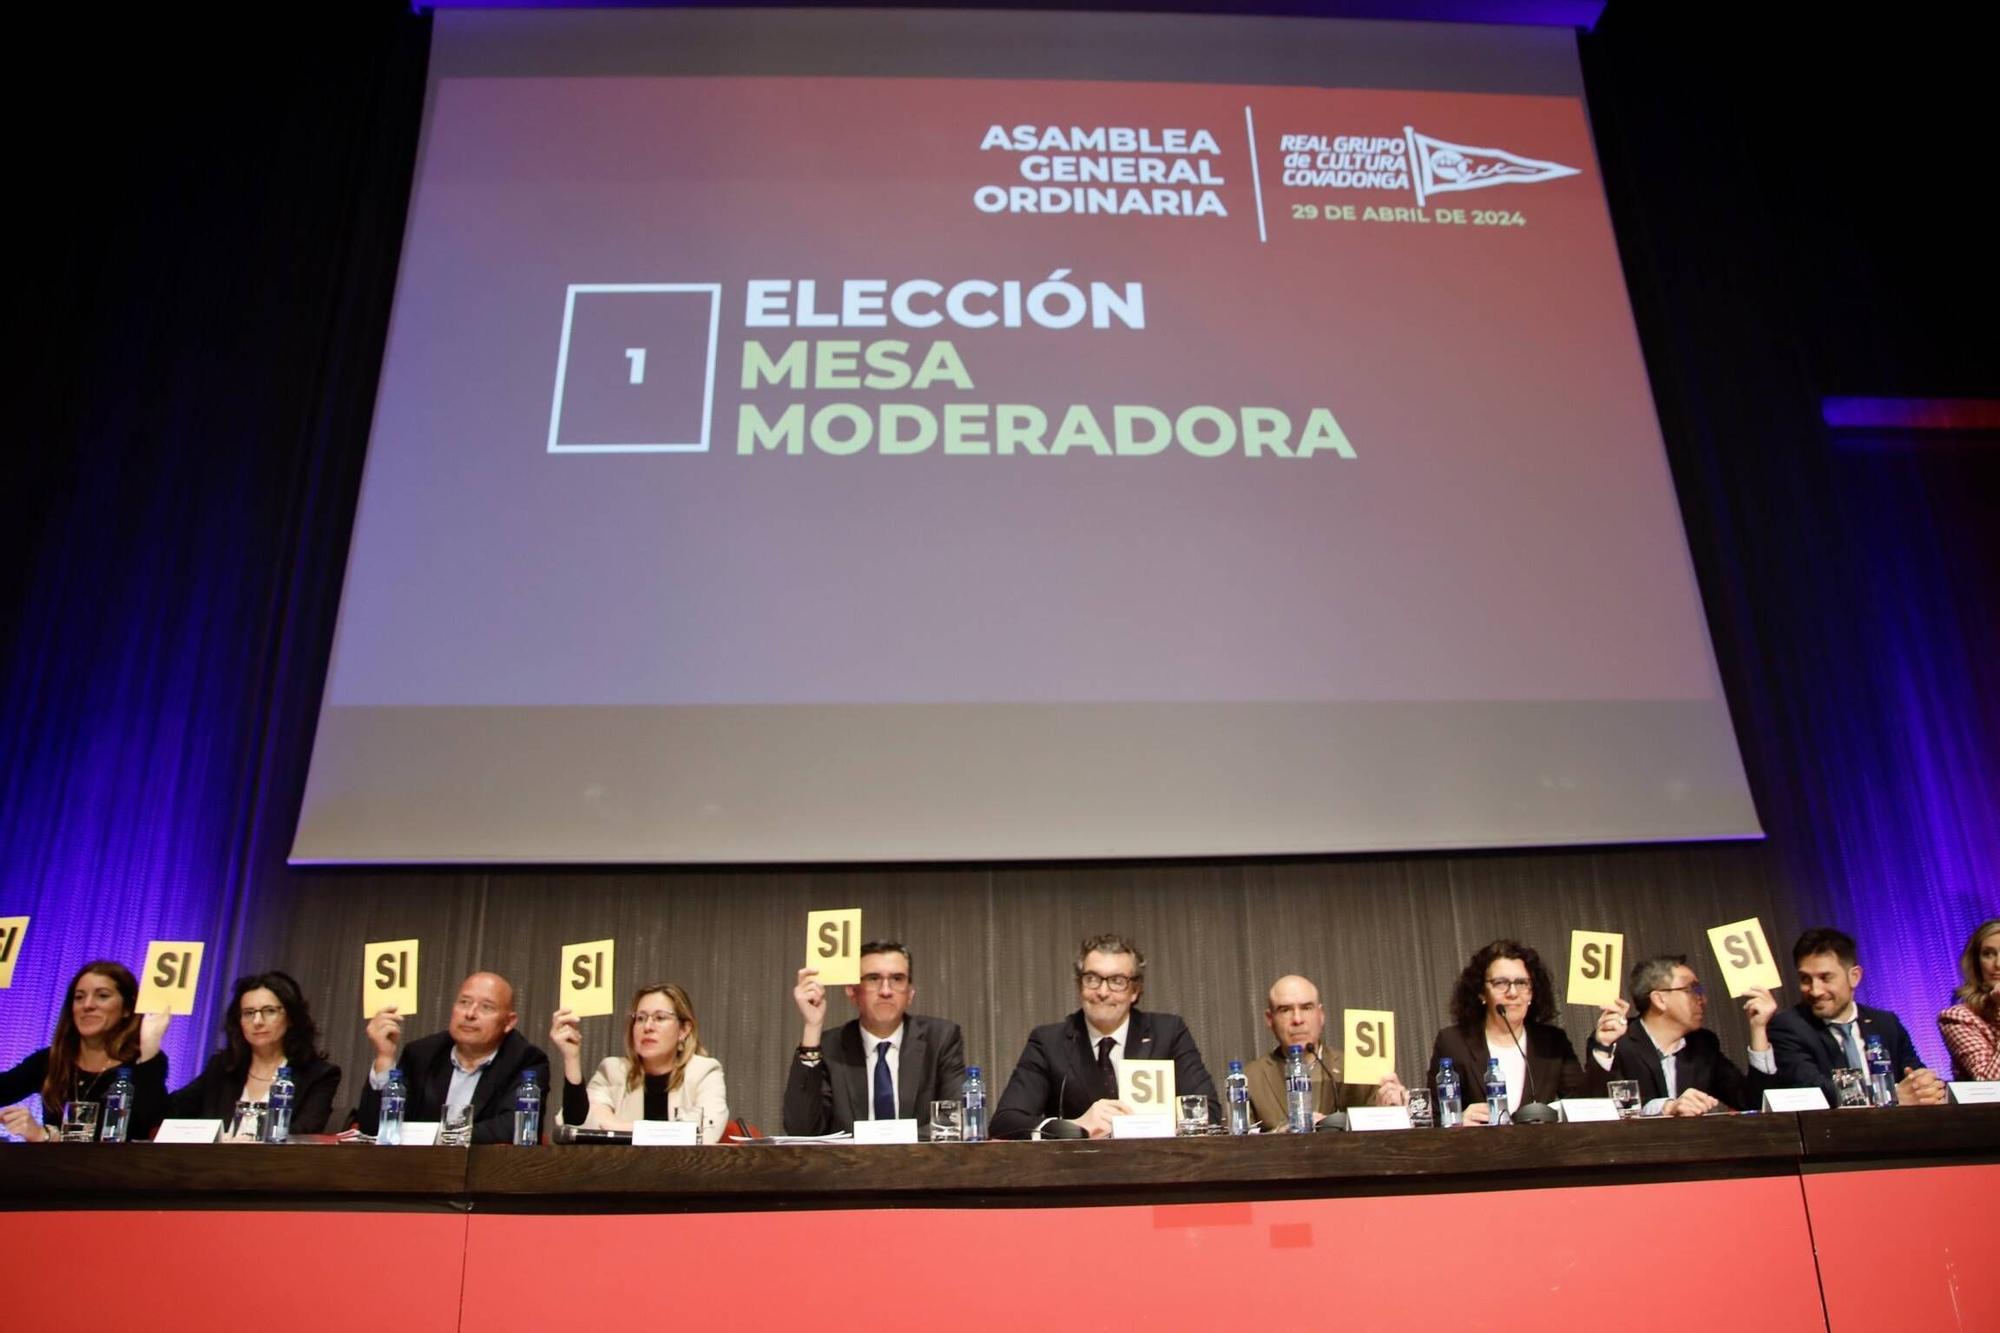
column 665, row 1073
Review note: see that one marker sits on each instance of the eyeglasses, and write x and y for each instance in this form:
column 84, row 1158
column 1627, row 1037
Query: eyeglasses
column 1510, row 984
column 1116, row 984
column 658, row 1018
column 484, row 1008
column 1694, row 988
column 876, row 980
column 269, row 1013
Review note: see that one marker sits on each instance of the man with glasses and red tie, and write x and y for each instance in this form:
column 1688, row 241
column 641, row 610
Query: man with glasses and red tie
column 887, row 1064
column 1677, row 1063
column 1067, row 1078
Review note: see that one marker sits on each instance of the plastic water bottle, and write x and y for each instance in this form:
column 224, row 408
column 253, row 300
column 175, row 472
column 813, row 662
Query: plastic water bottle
column 278, row 1124
column 528, row 1112
column 1450, row 1097
column 1298, row 1092
column 1237, row 1088
column 1496, row 1092
column 973, row 1128
column 389, row 1125
column 118, row 1107
column 1881, row 1075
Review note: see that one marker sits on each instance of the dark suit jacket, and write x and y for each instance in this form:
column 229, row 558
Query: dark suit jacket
column 1057, row 1072
column 1267, row 1087
column 829, row 1098
column 1808, row 1050
column 426, row 1066
column 214, row 1093
column 1699, row 1064
column 1553, row 1070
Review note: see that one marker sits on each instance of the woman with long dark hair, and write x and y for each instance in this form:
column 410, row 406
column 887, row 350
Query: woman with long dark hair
column 1971, row 1027
column 665, row 1073
column 1504, row 1006
column 267, row 1025
column 97, row 1033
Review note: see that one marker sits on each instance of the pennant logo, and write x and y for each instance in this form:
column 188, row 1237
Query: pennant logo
column 1441, row 168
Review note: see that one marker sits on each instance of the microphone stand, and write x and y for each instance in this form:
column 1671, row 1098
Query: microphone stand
column 1530, row 1112
column 1337, row 1120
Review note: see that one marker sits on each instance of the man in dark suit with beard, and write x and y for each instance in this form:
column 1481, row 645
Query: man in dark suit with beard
column 1829, row 1030
column 1069, row 1070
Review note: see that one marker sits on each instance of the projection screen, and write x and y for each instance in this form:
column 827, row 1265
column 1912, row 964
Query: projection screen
column 868, row 436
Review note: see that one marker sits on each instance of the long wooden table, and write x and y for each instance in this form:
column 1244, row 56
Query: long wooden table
column 1822, row 1220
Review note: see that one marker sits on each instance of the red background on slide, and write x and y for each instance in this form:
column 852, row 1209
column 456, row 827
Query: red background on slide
column 1898, row 1249
column 1508, row 530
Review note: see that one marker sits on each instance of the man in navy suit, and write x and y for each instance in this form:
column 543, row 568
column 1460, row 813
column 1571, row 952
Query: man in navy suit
column 1827, row 1030
column 1069, row 1070
column 887, row 1064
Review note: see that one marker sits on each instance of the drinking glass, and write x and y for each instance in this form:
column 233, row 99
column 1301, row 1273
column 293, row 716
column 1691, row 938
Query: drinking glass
column 248, row 1124
column 1850, row 1088
column 1423, row 1112
column 1625, row 1097
column 1194, row 1115
column 79, row 1122
column 455, row 1129
column 946, row 1127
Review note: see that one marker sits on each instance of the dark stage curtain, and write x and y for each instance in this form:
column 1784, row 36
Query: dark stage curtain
column 205, row 302
column 216, row 204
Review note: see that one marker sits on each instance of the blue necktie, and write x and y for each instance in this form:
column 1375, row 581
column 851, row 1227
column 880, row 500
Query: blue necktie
column 1854, row 1057
column 885, row 1087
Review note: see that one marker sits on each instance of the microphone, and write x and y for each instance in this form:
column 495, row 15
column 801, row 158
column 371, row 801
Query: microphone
column 1531, row 1111
column 1337, row 1121
column 1055, row 1127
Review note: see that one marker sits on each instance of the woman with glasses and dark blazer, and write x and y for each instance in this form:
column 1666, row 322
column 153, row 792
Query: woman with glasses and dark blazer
column 267, row 1025
column 1504, row 1005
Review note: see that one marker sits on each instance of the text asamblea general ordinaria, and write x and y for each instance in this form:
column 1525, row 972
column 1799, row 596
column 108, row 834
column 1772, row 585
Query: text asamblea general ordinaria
column 1115, row 169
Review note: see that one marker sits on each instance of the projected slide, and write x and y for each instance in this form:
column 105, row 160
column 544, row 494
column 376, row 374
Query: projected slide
column 808, row 464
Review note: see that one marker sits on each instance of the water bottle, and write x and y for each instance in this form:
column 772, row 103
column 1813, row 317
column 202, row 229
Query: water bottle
column 973, row 1127
column 1881, row 1075
column 278, row 1124
column 389, row 1125
column 528, row 1112
column 1237, row 1086
column 1450, row 1100
column 1496, row 1092
column 1298, row 1092
column 118, row 1107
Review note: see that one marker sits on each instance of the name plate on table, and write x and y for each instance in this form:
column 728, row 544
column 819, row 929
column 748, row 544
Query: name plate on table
column 1378, row 1117
column 1969, row 1093
column 188, row 1131
column 671, row 1133
column 1587, row 1108
column 1142, row 1126
column 885, row 1131
column 1794, row 1099
column 420, row 1133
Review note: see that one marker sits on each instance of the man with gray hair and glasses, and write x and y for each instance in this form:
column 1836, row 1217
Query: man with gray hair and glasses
column 1067, row 1078
column 1677, row 1063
